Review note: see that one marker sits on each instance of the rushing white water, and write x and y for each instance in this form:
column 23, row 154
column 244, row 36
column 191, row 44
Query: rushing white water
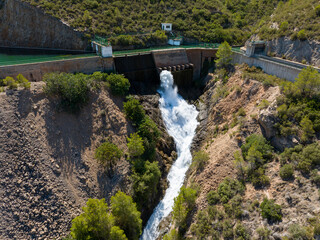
column 180, row 119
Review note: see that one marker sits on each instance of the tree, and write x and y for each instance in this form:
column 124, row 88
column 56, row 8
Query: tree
column 223, row 55
column 270, row 210
column 145, row 185
column 286, row 171
column 108, row 154
column 118, row 84
column 126, row 215
column 94, row 223
column 133, row 110
column 308, row 83
column 307, row 128
column 199, row 160
column 135, row 145
column 183, row 204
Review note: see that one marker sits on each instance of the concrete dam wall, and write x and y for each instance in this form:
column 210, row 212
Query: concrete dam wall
column 23, row 25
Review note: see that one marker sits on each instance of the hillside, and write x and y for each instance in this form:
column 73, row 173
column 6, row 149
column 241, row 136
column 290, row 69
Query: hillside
column 234, row 184
column 295, row 19
column 48, row 164
column 202, row 20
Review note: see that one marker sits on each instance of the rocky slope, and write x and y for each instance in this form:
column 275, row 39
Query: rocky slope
column 220, row 139
column 307, row 51
column 48, row 170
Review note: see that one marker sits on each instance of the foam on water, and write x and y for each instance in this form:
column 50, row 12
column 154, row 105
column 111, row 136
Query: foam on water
column 180, row 119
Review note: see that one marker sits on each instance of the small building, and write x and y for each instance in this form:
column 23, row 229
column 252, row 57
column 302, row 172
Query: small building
column 102, row 50
column 166, row 27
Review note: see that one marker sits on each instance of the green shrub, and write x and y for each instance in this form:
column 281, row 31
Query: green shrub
column 229, row 188
column 118, row 84
column 10, row 83
column 315, row 177
column 302, row 36
column 317, row 9
column 23, row 82
column 259, row 179
column 298, row 232
column 183, row 204
column 96, row 223
column 286, row 171
column 135, row 145
column 284, row 26
column 145, row 183
column 264, row 104
column 148, row 129
column 241, row 232
column 213, row 197
column 134, row 111
column 270, row 210
column 264, row 233
column 108, row 154
column 241, row 112
column 199, row 160
column 126, row 215
column 172, row 235
column 223, row 55
column 73, row 89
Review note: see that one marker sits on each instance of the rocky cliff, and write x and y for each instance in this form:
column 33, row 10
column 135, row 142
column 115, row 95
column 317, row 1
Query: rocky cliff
column 23, row 25
column 296, row 50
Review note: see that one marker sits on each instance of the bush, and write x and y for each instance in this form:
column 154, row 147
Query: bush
column 286, row 171
column 298, row 232
column 259, row 179
column 302, row 36
column 270, row 210
column 317, row 9
column 73, row 89
column 108, row 154
column 148, row 129
column 229, row 188
column 183, row 204
column 145, row 184
column 96, row 223
column 172, row 235
column 199, row 160
column 315, row 177
column 134, row 111
column 241, row 232
column 23, row 82
column 126, row 215
column 213, row 197
column 118, row 84
column 264, row 233
column 10, row 82
column 135, row 145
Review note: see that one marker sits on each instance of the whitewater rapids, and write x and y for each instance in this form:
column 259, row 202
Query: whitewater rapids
column 180, row 119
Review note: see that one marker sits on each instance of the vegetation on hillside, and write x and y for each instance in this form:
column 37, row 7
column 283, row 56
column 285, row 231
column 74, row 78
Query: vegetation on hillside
column 296, row 19
column 202, row 20
column 73, row 89
column 119, row 222
column 11, row 83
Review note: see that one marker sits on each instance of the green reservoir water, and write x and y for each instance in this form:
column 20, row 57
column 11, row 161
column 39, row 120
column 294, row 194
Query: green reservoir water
column 22, row 57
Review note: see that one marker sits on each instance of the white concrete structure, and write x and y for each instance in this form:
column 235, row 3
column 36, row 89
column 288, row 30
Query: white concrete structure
column 106, row 51
column 102, row 50
column 166, row 27
column 174, row 42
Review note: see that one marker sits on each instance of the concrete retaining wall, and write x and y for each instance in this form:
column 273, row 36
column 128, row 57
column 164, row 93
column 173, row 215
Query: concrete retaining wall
column 35, row 71
column 271, row 67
